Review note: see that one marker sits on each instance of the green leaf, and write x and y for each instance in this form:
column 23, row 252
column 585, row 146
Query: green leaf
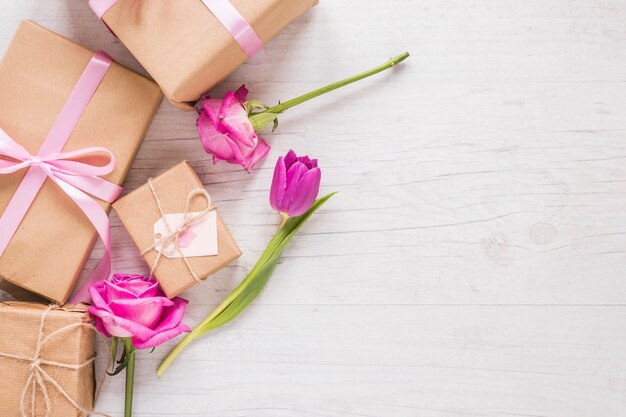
column 121, row 366
column 247, row 291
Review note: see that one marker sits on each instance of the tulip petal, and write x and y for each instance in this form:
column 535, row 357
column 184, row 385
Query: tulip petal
column 294, row 174
column 305, row 192
column 279, row 183
column 290, row 158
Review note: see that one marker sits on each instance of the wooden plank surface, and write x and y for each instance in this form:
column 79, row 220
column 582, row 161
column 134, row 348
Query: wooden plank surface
column 472, row 263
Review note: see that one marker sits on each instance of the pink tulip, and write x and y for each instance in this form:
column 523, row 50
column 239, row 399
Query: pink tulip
column 227, row 133
column 134, row 306
column 295, row 185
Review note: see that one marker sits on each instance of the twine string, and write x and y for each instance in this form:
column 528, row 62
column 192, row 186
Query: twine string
column 172, row 238
column 38, row 376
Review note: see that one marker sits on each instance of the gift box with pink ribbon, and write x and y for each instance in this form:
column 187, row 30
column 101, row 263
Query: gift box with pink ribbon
column 188, row 46
column 71, row 123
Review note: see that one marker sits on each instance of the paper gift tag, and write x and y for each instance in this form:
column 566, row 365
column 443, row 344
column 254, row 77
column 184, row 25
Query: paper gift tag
column 200, row 239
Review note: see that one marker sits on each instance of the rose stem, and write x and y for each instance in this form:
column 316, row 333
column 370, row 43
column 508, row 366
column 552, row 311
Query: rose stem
column 130, row 376
column 279, row 108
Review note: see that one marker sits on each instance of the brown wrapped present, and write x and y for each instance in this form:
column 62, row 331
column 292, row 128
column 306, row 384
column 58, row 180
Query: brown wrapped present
column 49, row 344
column 184, row 46
column 179, row 232
column 37, row 75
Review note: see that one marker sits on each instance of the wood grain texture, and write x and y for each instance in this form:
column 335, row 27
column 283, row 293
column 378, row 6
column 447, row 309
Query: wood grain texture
column 472, row 263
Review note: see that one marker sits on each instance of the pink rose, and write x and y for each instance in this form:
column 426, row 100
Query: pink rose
column 134, row 306
column 227, row 133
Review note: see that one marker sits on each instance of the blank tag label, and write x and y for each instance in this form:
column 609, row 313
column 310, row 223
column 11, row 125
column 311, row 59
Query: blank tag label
column 200, row 239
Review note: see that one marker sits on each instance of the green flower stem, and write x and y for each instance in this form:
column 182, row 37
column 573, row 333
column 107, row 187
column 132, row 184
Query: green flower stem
column 114, row 344
column 130, row 376
column 248, row 289
column 199, row 329
column 283, row 220
column 279, row 108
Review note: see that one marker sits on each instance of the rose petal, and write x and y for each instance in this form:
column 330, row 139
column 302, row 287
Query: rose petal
column 172, row 315
column 214, row 142
column 257, row 154
column 211, row 109
column 131, row 286
column 235, row 121
column 160, row 338
column 241, row 94
column 117, row 326
column 228, row 100
column 95, row 291
column 144, row 311
column 99, row 325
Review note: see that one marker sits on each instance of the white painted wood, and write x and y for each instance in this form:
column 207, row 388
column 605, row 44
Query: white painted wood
column 473, row 262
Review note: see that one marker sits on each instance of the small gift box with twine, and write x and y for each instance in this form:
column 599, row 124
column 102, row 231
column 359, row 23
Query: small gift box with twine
column 47, row 358
column 177, row 229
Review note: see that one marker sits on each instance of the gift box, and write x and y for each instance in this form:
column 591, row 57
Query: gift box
column 51, row 344
column 47, row 252
column 184, row 46
column 156, row 212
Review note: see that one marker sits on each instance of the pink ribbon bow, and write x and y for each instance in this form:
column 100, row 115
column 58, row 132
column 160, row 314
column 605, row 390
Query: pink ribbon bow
column 223, row 10
column 74, row 177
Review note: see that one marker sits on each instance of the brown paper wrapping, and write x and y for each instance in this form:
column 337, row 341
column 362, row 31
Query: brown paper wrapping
column 138, row 211
column 19, row 330
column 185, row 48
column 37, row 74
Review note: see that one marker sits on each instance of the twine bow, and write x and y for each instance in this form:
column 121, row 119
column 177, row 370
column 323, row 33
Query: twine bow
column 38, row 377
column 172, row 238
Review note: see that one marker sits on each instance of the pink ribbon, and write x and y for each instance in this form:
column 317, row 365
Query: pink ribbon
column 75, row 178
column 223, row 10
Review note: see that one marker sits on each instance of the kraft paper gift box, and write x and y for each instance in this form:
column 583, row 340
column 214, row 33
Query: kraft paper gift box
column 66, row 341
column 184, row 46
column 39, row 70
column 139, row 211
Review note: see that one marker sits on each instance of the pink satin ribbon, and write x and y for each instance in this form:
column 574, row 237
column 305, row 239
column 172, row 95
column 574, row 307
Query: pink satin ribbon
column 73, row 177
column 223, row 10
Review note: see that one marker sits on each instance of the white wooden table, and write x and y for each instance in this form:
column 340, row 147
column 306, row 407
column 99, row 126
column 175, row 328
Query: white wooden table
column 473, row 261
